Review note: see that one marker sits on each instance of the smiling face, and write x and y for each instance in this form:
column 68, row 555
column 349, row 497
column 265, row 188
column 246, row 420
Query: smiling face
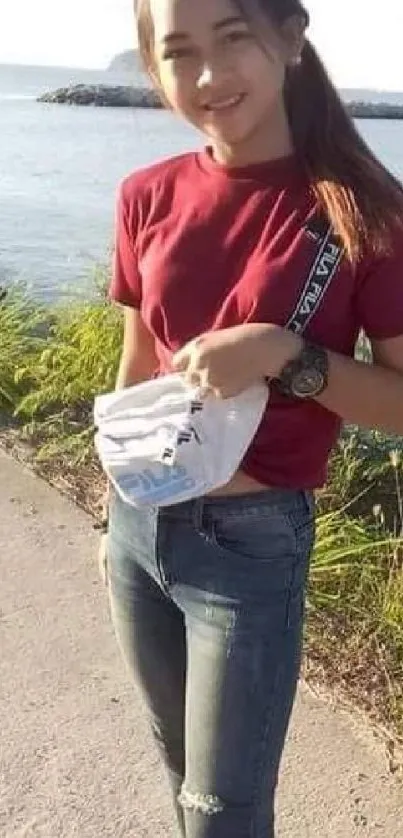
column 216, row 72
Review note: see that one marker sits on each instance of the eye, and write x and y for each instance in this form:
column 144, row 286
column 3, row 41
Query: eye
column 176, row 54
column 237, row 36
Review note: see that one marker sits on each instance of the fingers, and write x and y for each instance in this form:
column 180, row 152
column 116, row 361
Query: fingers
column 197, row 378
column 186, row 356
column 193, row 377
column 181, row 359
column 187, row 361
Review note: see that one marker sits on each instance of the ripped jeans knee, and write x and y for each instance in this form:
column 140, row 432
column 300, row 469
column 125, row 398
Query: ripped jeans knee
column 206, row 804
column 207, row 815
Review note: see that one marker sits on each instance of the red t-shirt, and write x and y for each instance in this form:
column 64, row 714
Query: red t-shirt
column 200, row 246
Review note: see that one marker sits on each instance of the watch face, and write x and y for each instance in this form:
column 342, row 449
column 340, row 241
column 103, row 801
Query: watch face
column 308, row 383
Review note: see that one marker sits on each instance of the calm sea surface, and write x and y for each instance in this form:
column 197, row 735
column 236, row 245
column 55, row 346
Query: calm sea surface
column 59, row 168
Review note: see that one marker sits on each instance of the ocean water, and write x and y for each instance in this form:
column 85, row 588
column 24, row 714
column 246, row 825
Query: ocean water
column 60, row 166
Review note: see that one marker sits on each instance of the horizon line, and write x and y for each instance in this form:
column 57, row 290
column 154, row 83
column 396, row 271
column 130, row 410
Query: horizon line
column 105, row 68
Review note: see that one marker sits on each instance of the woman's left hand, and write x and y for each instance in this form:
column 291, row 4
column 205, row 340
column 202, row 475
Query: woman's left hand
column 230, row 360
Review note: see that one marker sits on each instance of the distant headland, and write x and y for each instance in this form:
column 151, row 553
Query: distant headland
column 128, row 61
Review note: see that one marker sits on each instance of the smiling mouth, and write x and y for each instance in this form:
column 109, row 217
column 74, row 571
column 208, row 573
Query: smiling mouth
column 224, row 104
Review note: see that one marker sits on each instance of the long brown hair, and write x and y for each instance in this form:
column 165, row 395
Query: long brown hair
column 361, row 199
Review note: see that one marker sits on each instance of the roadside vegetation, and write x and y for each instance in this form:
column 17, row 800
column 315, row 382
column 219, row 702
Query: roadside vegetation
column 54, row 360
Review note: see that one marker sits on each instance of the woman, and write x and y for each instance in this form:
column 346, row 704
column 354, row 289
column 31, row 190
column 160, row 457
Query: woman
column 212, row 253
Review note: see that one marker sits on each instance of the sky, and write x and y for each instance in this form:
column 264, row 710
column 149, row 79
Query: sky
column 361, row 41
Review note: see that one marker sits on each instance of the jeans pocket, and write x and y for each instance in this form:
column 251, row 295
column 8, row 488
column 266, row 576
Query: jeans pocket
column 261, row 561
column 266, row 537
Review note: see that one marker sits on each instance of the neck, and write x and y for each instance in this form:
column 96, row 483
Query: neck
column 271, row 140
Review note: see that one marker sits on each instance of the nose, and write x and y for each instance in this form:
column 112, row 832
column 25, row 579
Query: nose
column 214, row 72
column 205, row 78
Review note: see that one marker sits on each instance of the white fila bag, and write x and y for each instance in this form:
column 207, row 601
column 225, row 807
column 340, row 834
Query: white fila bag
column 160, row 443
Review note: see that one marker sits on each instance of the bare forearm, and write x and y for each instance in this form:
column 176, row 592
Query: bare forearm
column 368, row 395
column 138, row 360
column 133, row 371
column 364, row 394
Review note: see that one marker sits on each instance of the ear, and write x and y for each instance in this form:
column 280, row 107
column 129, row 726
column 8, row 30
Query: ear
column 293, row 32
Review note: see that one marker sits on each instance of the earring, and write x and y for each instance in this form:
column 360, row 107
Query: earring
column 296, row 61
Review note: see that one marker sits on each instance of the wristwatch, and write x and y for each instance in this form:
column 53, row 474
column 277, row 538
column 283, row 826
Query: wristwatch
column 307, row 376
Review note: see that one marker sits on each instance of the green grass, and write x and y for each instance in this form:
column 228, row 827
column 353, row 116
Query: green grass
column 355, row 614
column 21, row 325
column 355, row 602
column 55, row 360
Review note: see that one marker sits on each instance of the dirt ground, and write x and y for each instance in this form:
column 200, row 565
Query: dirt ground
column 76, row 757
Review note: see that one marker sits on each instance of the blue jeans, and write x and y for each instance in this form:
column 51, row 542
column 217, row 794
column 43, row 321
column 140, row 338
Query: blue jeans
column 207, row 601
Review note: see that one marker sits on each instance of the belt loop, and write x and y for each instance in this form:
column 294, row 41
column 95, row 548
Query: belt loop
column 310, row 502
column 198, row 514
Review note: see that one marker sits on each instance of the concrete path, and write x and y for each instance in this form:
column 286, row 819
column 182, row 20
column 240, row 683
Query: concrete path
column 75, row 753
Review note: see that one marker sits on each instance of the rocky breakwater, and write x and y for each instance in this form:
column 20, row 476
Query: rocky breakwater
column 103, row 95
column 375, row 110
column 127, row 96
